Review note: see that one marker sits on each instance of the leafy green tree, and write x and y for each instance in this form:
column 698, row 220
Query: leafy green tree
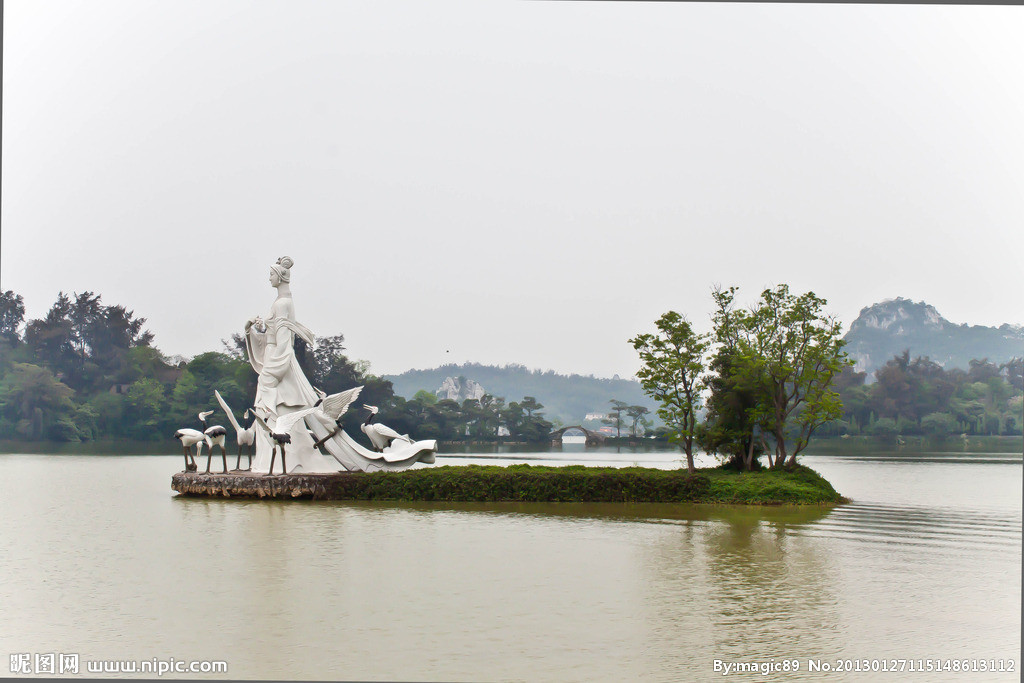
column 51, row 338
column 498, row 409
column 12, row 315
column 489, row 417
column 729, row 425
column 530, row 405
column 939, row 425
column 514, row 417
column 85, row 316
column 982, row 370
column 636, row 413
column 145, row 405
column 614, row 418
column 34, row 400
column 1012, row 416
column 885, row 427
column 446, row 417
column 856, row 397
column 86, row 421
column 185, row 392
column 1014, row 369
column 673, row 366
column 968, row 412
column 534, row 427
column 329, row 367
column 789, row 353
column 472, row 415
column 85, row 342
column 117, row 330
column 110, row 414
column 425, row 397
column 729, row 428
column 645, row 427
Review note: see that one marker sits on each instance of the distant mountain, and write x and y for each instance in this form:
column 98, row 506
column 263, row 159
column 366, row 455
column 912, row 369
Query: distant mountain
column 885, row 329
column 566, row 397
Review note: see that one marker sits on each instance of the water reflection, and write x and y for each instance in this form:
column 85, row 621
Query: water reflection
column 736, row 586
column 646, row 512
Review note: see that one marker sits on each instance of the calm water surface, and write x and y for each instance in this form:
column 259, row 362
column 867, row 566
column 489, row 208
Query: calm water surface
column 98, row 557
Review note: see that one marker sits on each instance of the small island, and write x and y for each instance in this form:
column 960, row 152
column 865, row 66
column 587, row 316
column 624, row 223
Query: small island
column 771, row 382
column 798, row 485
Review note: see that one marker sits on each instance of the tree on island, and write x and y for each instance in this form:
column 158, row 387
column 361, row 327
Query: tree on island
column 673, row 373
column 772, row 371
column 524, row 420
column 637, row 414
column 729, row 428
column 787, row 354
column 614, row 418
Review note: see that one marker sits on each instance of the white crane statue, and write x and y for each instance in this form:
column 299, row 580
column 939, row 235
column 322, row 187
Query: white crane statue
column 243, row 436
column 217, row 435
column 189, row 438
column 380, row 435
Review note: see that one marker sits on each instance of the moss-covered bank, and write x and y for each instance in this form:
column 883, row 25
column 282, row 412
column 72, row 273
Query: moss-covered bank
column 583, row 484
column 526, row 483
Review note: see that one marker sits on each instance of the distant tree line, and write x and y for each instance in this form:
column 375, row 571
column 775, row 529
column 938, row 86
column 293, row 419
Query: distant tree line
column 916, row 396
column 87, row 370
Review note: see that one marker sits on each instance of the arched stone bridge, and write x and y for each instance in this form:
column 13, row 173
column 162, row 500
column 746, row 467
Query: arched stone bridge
column 593, row 438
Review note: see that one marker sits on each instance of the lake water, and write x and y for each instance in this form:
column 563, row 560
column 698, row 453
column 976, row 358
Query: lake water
column 98, row 557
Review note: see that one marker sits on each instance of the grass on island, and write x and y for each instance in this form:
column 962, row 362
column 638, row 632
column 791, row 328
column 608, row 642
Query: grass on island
column 582, row 484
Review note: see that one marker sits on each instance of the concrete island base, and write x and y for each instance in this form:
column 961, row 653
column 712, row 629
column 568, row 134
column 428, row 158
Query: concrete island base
column 243, row 484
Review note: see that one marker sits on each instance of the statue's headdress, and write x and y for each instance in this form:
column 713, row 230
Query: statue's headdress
column 283, row 268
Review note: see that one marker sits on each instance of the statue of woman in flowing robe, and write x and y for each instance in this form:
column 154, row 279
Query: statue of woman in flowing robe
column 282, row 387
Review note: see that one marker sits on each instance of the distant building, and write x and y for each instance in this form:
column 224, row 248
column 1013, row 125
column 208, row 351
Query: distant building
column 596, row 416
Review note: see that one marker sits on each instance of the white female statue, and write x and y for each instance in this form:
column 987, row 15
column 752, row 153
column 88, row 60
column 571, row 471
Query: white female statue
column 282, row 387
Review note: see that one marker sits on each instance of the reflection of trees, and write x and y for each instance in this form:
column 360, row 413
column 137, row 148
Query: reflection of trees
column 737, row 584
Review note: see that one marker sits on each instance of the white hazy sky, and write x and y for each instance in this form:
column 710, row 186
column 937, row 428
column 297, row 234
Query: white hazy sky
column 491, row 181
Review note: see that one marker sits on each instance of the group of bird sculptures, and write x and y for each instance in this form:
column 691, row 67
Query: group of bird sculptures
column 210, row 436
column 328, row 409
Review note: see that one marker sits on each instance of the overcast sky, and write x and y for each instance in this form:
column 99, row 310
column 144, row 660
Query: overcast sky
column 529, row 182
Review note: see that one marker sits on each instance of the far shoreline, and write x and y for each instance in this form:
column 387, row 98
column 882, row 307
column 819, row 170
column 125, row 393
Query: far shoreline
column 831, row 445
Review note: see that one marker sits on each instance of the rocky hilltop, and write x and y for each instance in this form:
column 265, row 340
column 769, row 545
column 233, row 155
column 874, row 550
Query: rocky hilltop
column 459, row 389
column 885, row 329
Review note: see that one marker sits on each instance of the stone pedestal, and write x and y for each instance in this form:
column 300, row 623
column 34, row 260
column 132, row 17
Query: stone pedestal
column 240, row 484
